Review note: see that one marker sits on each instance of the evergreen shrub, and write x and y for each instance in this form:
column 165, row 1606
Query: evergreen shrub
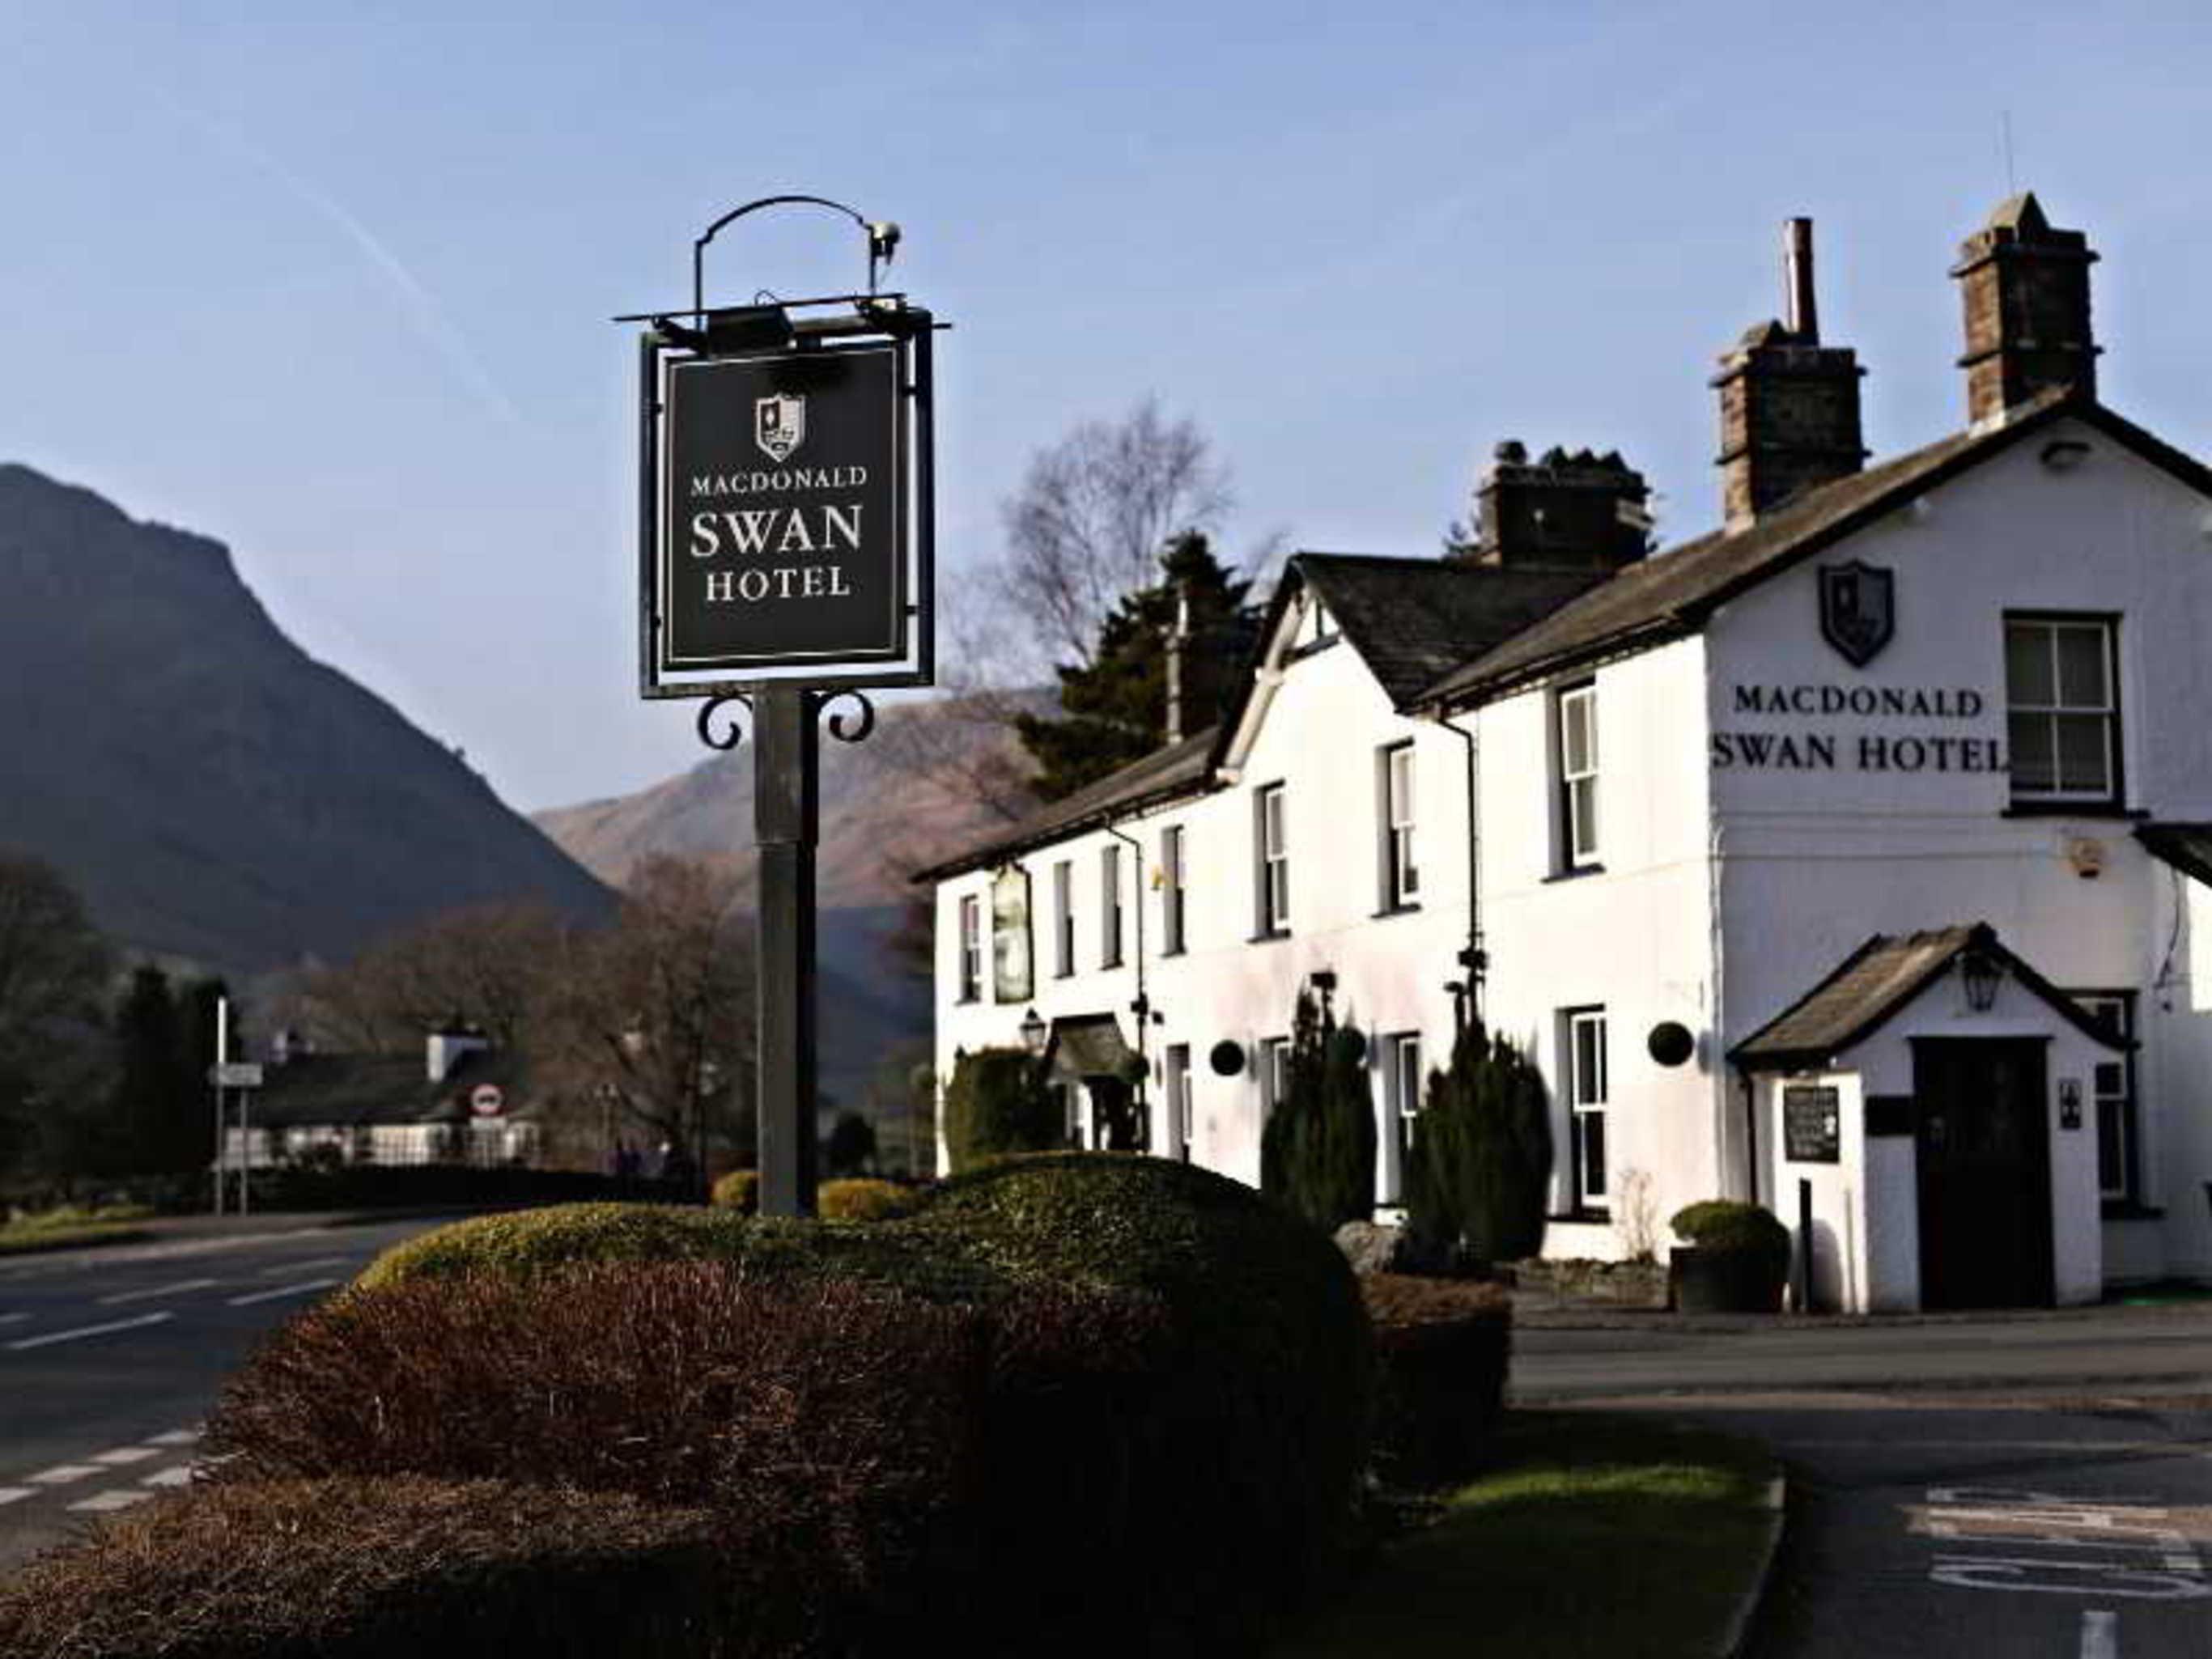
column 523, row 1242
column 739, row 1190
column 996, row 1103
column 1727, row 1223
column 863, row 1199
column 1480, row 1165
column 368, row 1569
column 1317, row 1147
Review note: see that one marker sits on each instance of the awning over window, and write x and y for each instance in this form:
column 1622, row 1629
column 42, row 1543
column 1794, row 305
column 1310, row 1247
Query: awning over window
column 2186, row 847
column 1087, row 1045
column 1877, row 979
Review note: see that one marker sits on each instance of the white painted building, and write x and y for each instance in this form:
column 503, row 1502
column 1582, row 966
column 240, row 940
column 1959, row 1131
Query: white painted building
column 1890, row 802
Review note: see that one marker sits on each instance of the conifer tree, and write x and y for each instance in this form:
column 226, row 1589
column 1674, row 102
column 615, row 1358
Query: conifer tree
column 1317, row 1149
column 1477, row 1172
column 1115, row 706
column 148, row 1105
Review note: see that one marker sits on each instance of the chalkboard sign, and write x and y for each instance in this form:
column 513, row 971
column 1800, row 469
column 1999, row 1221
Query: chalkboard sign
column 1810, row 1123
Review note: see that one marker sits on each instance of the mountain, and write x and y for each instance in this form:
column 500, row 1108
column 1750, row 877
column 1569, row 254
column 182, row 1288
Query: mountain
column 214, row 794
column 935, row 774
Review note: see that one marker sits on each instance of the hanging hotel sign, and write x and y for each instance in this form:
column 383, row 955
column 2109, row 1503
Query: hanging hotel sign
column 782, row 511
column 1012, row 976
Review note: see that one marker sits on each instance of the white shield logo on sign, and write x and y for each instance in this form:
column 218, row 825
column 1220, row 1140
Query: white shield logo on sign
column 780, row 424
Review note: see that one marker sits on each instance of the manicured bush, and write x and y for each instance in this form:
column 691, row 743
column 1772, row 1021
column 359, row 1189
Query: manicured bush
column 531, row 1241
column 1317, row 1147
column 368, row 1568
column 996, row 1103
column 1441, row 1352
column 1481, row 1162
column 1727, row 1223
column 863, row 1199
column 739, row 1190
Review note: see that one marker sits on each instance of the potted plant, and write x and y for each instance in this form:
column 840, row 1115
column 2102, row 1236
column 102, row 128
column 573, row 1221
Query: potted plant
column 1737, row 1258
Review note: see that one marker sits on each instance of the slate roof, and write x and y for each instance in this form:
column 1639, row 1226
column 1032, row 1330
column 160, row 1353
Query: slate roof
column 1671, row 594
column 1415, row 620
column 2186, row 847
column 1877, row 979
column 361, row 1090
column 1179, row 770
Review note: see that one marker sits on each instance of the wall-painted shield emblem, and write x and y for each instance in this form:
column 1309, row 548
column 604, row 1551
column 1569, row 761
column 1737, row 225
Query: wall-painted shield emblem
column 1859, row 611
column 780, row 424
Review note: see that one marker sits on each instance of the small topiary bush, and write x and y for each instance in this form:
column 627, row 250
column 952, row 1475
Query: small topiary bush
column 1481, row 1162
column 996, row 1103
column 368, row 1569
column 739, row 1190
column 863, row 1199
column 530, row 1241
column 1442, row 1348
column 1726, row 1224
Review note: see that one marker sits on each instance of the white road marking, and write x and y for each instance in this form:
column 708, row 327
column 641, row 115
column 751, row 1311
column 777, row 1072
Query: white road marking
column 126, row 1455
column 300, row 1289
column 12, row 1494
column 14, row 1318
column 179, row 1475
column 90, row 1330
column 307, row 1266
column 121, row 1498
column 2100, row 1635
column 174, row 1437
column 62, row 1474
column 177, row 1289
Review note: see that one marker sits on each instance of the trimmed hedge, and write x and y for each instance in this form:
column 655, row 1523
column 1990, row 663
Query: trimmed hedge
column 997, row 1104
column 737, row 1190
column 1177, row 1371
column 862, row 1199
column 1442, row 1348
column 368, row 1569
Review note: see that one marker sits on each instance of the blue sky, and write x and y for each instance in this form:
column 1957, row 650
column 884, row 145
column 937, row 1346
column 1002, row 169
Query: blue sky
column 330, row 282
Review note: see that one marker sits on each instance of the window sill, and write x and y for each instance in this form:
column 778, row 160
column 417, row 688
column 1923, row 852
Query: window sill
column 1105, row 963
column 2076, row 809
column 2128, row 1209
column 1575, row 874
column 1267, row 934
column 1586, row 1217
column 1177, row 951
column 967, row 1002
column 1396, row 910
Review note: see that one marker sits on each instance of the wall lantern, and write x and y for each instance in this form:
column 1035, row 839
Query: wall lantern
column 1983, row 972
column 1034, row 1031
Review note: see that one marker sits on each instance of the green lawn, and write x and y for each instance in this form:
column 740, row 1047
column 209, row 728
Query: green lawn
column 55, row 1230
column 1598, row 1534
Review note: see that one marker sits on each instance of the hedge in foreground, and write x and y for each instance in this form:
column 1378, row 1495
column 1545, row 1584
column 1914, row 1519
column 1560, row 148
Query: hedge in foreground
column 1206, row 1407
column 1441, row 1350
column 368, row 1569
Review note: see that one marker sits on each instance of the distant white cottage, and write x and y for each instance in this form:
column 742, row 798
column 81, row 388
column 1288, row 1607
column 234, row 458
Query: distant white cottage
column 1849, row 857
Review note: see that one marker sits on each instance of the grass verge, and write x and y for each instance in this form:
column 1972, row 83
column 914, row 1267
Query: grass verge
column 1596, row 1534
column 58, row 1230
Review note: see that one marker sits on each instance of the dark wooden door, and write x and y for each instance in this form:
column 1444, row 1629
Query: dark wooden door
column 1984, row 1164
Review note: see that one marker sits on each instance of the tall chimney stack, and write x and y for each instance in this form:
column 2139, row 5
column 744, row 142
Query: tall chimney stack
column 1789, row 405
column 2027, row 293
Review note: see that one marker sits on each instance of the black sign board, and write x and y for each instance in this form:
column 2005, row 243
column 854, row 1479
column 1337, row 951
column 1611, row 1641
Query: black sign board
column 783, row 511
column 1811, row 1130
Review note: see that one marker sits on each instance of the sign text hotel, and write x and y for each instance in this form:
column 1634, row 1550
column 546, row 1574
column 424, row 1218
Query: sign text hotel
column 1929, row 747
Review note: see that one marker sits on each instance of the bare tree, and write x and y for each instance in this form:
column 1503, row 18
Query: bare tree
column 486, row 963
column 1093, row 513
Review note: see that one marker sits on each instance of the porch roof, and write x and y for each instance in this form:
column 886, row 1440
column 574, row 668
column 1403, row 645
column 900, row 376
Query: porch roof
column 1877, row 979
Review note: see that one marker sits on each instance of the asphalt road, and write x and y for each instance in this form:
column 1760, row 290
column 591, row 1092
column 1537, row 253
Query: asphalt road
column 109, row 1358
column 2003, row 1486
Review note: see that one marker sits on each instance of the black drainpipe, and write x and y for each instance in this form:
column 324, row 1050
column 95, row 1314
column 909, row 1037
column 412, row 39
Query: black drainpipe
column 1473, row 960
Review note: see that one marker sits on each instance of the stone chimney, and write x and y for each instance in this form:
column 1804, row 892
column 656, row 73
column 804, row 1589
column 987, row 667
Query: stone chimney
column 1578, row 512
column 1789, row 405
column 2026, row 289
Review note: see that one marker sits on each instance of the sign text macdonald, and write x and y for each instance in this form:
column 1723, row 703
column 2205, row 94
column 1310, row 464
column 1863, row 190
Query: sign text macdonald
column 1884, row 751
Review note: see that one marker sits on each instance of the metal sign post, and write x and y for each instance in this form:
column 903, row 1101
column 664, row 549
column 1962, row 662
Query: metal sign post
column 786, row 563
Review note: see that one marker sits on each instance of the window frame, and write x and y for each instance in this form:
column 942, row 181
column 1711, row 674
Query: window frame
column 1174, row 894
column 1572, row 855
column 970, row 947
column 1401, row 1096
column 2125, row 1102
column 1399, row 871
column 1586, row 1111
column 1274, row 1071
column 1111, row 931
column 1271, row 860
column 1063, row 919
column 1175, row 1074
column 2106, row 626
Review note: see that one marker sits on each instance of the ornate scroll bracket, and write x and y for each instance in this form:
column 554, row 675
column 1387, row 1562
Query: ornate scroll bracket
column 849, row 726
column 734, row 733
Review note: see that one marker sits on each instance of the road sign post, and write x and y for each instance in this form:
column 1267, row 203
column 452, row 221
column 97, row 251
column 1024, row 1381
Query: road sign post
column 786, row 565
